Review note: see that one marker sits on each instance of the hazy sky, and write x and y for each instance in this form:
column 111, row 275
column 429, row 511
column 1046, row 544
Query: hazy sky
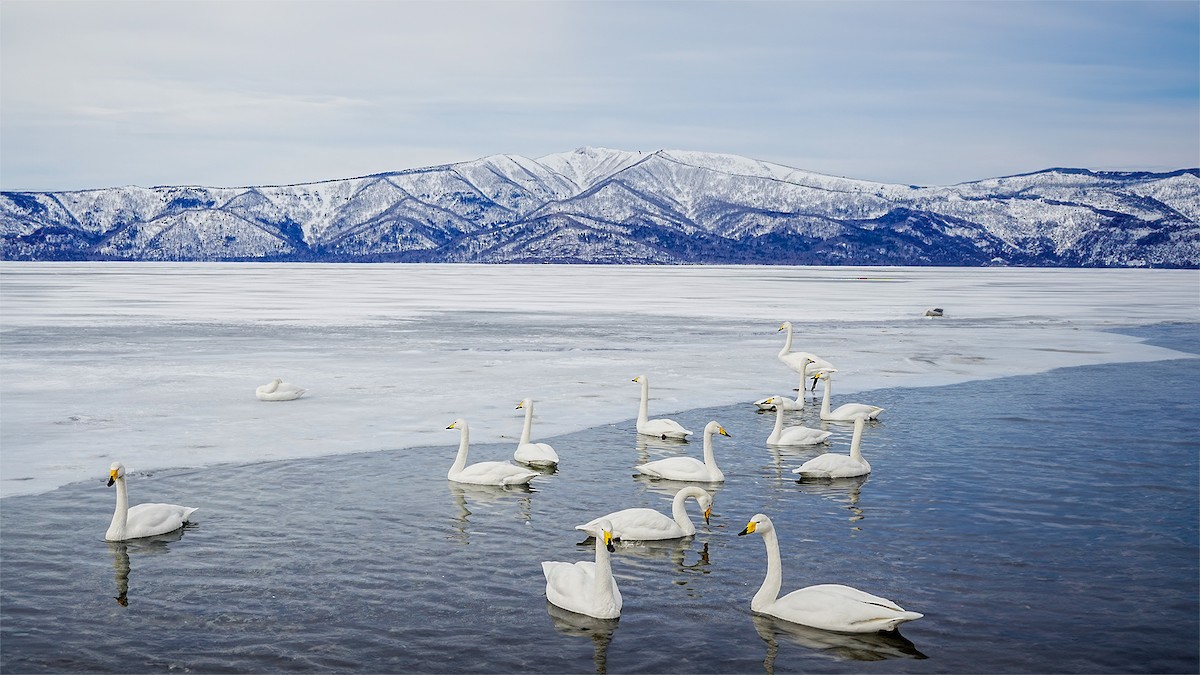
column 104, row 93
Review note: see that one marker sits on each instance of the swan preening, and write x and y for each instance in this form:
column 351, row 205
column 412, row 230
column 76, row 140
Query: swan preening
column 825, row 606
column 830, row 465
column 662, row 428
column 483, row 473
column 797, row 435
column 642, row 524
column 586, row 587
column 847, row 412
column 689, row 468
column 804, row 363
column 278, row 390
column 143, row 520
column 539, row 455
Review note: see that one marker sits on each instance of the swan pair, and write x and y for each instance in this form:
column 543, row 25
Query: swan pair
column 642, row 524
column 483, row 473
column 689, row 468
column 825, row 606
column 143, row 520
column 278, row 390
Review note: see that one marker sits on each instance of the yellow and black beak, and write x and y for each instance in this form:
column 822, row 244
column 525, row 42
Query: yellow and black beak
column 112, row 477
column 750, row 527
column 707, row 513
column 723, row 432
column 608, row 538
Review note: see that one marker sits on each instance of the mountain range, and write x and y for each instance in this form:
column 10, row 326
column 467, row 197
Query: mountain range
column 596, row 205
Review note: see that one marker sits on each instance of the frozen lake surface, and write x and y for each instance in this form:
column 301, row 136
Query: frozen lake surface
column 1034, row 487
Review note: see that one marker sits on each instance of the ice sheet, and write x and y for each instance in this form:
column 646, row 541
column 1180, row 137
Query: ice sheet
column 156, row 364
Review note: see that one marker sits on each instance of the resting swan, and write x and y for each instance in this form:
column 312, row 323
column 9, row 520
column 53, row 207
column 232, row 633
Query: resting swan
column 847, row 412
column 483, row 473
column 804, row 363
column 797, row 435
column 278, row 390
column 143, row 520
column 830, row 465
column 539, row 455
column 825, row 606
column 662, row 428
column 689, row 468
column 641, row 524
column 586, row 587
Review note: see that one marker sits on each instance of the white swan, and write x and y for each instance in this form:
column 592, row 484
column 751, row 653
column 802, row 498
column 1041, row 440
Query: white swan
column 483, row 473
column 805, row 363
column 143, row 520
column 830, row 465
column 641, row 524
column 662, row 428
column 689, row 468
column 278, row 390
column 586, row 587
column 825, row 606
column 539, row 455
column 847, row 412
column 797, row 435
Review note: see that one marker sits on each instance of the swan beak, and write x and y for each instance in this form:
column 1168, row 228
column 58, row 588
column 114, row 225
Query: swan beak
column 781, row 328
column 723, row 432
column 750, row 527
column 520, row 405
column 707, row 513
column 112, row 477
column 608, row 541
column 451, row 426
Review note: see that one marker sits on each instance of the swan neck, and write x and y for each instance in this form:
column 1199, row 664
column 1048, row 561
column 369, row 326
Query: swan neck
column 460, row 460
column 825, row 397
column 603, row 578
column 679, row 510
column 778, row 420
column 787, row 343
column 528, row 424
column 116, row 530
column 769, row 592
column 644, row 410
column 710, row 460
column 856, row 442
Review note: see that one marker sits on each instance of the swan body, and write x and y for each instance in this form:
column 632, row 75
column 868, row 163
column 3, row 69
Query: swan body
column 278, row 390
column 483, row 473
column 642, row 524
column 830, row 465
column 847, row 412
column 539, row 455
column 806, row 364
column 797, row 435
column 662, row 428
column 689, row 468
column 586, row 587
column 825, row 606
column 143, row 520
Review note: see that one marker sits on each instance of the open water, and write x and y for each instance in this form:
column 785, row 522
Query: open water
column 1042, row 523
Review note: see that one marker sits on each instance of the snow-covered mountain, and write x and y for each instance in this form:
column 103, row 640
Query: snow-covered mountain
column 598, row 205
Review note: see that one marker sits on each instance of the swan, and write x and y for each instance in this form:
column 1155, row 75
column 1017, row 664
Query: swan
column 539, row 455
column 640, row 524
column 773, row 402
column 847, row 412
column 586, row 587
column 804, row 363
column 663, row 428
column 278, row 390
column 825, row 606
column 483, row 473
column 689, row 468
column 143, row 520
column 797, row 435
column 830, row 465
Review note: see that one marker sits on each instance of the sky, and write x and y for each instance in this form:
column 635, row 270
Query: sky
column 105, row 93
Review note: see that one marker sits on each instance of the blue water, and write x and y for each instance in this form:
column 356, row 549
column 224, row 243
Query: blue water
column 1044, row 523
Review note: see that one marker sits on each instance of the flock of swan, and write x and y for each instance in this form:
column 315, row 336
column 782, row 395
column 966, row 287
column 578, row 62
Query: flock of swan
column 588, row 587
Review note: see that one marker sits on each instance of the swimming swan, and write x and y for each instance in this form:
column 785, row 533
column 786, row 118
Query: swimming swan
column 143, row 520
column 804, row 363
column 483, row 473
column 689, row 468
column 847, row 412
column 586, row 587
column 539, row 455
column 662, row 428
column 797, row 435
column 825, row 606
column 641, row 524
column 278, row 390
column 830, row 465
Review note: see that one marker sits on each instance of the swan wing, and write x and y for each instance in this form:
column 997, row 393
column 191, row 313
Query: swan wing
column 802, row 436
column 536, row 454
column 663, row 427
column 832, row 465
column 840, row 608
column 849, row 411
column 494, row 473
column 640, row 524
column 147, row 520
column 679, row 468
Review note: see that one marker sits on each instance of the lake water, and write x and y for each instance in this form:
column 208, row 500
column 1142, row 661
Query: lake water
column 1042, row 523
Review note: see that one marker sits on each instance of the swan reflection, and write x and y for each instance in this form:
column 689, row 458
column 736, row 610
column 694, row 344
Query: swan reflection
column 155, row 545
column 487, row 496
column 581, row 625
column 848, row 646
column 650, row 448
column 845, row 491
column 668, row 487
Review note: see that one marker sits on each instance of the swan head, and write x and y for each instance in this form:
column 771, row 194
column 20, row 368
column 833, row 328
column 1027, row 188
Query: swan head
column 784, row 326
column 524, row 403
column 116, row 471
column 706, row 503
column 715, row 428
column 639, row 378
column 459, row 423
column 759, row 523
column 604, row 532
